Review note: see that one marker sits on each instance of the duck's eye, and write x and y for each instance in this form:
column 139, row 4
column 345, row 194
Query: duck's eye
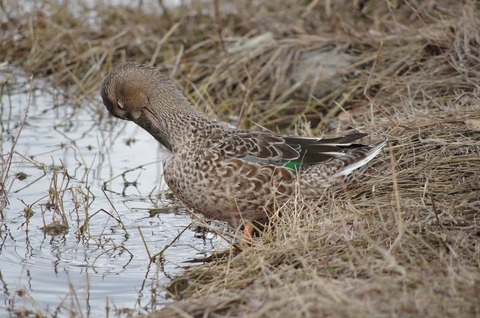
column 120, row 105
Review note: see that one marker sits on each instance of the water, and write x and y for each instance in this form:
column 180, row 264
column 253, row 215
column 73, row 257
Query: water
column 78, row 166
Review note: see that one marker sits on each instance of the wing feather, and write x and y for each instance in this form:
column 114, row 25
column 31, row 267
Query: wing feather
column 275, row 149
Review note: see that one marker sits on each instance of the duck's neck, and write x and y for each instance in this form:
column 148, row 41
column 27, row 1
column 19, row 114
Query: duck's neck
column 181, row 125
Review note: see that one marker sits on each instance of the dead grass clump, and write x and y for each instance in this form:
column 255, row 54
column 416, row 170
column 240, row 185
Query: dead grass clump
column 306, row 59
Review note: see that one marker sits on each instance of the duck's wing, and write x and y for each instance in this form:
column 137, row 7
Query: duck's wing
column 291, row 152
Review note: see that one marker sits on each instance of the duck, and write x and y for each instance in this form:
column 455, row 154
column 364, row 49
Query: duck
column 228, row 174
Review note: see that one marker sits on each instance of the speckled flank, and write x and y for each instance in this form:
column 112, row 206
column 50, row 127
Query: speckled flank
column 227, row 174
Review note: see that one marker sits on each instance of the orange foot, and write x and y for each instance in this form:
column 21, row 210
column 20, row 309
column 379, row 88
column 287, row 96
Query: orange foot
column 247, row 236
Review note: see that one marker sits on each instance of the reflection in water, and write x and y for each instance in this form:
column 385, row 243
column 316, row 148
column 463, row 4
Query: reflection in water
column 82, row 199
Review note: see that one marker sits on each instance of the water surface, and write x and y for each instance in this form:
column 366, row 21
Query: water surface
column 71, row 163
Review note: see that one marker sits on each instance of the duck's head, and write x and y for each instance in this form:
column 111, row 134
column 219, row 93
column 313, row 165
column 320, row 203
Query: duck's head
column 145, row 96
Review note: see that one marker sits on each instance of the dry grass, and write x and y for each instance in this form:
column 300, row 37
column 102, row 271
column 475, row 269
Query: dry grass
column 403, row 240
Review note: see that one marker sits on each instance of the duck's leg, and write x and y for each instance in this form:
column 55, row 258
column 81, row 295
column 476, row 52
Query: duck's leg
column 247, row 236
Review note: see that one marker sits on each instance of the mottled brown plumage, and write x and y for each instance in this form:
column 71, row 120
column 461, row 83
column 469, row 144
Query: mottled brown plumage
column 227, row 174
